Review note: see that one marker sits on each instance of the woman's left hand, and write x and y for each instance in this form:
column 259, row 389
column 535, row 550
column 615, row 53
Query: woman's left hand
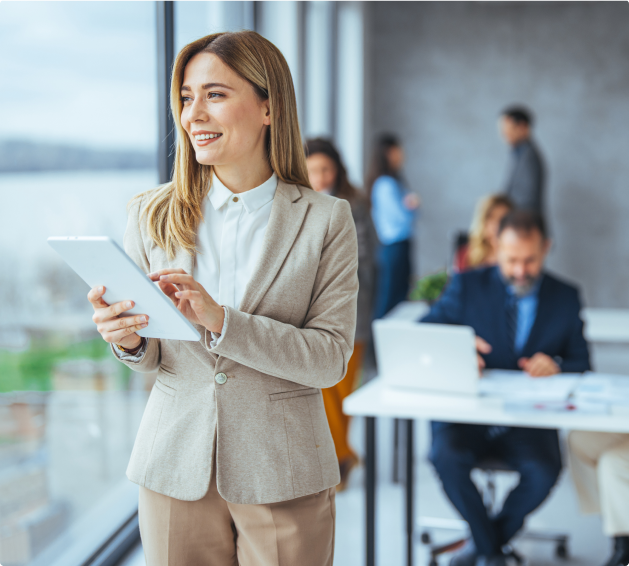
column 412, row 201
column 189, row 296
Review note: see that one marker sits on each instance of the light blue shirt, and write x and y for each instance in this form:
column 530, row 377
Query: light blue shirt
column 527, row 312
column 393, row 221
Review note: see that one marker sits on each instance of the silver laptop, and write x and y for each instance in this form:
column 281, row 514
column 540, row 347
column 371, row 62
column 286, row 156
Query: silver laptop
column 437, row 358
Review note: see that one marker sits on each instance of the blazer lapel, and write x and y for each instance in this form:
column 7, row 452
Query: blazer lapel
column 499, row 295
column 287, row 216
column 182, row 260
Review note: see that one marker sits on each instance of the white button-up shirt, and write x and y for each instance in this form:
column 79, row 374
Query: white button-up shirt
column 230, row 239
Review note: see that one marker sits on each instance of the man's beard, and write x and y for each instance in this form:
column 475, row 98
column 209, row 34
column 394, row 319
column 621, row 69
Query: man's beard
column 524, row 287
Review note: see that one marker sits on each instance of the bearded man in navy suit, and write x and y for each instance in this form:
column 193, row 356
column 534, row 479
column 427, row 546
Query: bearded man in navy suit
column 525, row 319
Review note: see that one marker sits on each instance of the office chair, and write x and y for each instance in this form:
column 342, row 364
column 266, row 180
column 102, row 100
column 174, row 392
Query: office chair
column 489, row 469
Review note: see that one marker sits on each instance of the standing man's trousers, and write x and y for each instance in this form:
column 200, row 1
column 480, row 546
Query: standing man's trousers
column 214, row 532
column 600, row 469
column 534, row 453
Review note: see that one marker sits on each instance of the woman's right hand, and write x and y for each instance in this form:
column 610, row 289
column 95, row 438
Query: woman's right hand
column 112, row 327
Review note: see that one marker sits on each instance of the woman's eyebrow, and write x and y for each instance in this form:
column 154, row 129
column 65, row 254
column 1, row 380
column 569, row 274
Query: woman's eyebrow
column 207, row 86
column 214, row 85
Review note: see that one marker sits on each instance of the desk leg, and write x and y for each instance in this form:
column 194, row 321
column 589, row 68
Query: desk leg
column 370, row 490
column 396, row 450
column 409, row 492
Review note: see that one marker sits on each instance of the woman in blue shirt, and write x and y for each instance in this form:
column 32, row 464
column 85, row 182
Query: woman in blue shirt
column 393, row 209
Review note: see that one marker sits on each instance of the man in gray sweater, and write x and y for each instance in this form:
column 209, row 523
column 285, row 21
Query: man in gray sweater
column 525, row 182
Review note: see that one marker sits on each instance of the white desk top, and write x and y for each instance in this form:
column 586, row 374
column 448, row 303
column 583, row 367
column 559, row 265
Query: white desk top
column 601, row 325
column 377, row 400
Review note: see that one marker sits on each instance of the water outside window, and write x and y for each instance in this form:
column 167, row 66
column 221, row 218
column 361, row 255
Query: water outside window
column 77, row 140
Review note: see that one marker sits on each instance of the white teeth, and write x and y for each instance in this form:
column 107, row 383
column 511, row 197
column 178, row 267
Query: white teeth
column 201, row 137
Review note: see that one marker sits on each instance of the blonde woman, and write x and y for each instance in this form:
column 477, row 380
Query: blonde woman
column 483, row 242
column 234, row 454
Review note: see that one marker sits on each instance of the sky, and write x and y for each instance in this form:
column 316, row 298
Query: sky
column 85, row 72
column 79, row 72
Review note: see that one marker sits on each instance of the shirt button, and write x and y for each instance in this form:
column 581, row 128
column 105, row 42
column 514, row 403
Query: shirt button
column 220, row 378
column 235, row 199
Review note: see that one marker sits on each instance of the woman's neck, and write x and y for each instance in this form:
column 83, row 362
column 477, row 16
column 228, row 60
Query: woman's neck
column 239, row 178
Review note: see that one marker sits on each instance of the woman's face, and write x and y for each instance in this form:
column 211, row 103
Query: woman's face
column 395, row 157
column 321, row 172
column 496, row 214
column 223, row 116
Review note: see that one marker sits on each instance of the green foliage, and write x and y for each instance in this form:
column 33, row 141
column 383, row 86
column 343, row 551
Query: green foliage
column 430, row 287
column 31, row 370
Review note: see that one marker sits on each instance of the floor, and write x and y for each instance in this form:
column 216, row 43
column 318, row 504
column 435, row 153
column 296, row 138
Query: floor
column 587, row 546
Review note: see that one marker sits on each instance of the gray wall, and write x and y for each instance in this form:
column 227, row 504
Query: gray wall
column 440, row 74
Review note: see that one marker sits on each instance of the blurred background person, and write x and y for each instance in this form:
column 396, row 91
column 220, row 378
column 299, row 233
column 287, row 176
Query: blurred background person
column 524, row 318
column 526, row 177
column 600, row 470
column 393, row 209
column 327, row 174
column 482, row 247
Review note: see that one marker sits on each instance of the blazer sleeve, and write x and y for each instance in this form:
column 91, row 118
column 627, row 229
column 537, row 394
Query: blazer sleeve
column 576, row 355
column 449, row 308
column 134, row 247
column 317, row 354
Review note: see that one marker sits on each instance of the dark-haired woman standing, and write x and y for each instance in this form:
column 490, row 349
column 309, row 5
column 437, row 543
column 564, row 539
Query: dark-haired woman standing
column 328, row 175
column 393, row 211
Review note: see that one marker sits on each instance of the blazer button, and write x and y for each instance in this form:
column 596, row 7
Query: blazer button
column 220, row 378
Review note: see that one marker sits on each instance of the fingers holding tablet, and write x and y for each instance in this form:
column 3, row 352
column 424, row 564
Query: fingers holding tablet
column 95, row 297
column 111, row 326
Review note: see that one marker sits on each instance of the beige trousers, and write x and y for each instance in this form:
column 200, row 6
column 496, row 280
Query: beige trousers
column 214, row 532
column 600, row 468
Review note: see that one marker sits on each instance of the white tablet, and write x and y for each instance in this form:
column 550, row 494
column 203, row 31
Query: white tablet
column 100, row 261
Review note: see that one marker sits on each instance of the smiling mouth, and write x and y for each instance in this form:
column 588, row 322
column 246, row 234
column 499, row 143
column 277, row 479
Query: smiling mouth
column 206, row 139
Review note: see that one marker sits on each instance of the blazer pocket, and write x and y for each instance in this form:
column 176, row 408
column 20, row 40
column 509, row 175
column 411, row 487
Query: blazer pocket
column 165, row 388
column 294, row 393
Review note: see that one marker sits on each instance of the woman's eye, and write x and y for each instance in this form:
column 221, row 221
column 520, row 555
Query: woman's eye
column 214, row 95
column 185, row 99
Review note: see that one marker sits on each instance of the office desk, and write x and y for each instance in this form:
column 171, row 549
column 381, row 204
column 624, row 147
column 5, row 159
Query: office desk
column 377, row 400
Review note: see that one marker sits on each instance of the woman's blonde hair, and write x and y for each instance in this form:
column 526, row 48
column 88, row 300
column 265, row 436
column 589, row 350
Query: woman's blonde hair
column 174, row 210
column 479, row 248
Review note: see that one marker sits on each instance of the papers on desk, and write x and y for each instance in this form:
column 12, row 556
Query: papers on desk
column 592, row 393
column 519, row 385
column 603, row 388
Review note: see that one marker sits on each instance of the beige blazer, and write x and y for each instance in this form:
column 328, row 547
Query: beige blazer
column 292, row 336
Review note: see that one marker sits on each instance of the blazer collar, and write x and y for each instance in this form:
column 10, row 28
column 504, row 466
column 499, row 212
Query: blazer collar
column 287, row 215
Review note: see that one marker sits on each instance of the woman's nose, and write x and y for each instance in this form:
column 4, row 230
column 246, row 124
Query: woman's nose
column 198, row 111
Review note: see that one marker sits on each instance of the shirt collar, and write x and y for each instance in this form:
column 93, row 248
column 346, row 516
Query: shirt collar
column 252, row 200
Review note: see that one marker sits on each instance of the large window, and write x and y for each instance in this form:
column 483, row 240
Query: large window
column 78, row 134
column 78, row 138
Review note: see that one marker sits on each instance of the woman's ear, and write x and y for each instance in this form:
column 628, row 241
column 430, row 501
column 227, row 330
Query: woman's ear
column 266, row 107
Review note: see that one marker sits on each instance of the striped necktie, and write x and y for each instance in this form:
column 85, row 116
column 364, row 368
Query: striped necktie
column 511, row 312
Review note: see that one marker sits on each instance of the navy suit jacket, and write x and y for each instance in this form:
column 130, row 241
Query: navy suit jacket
column 477, row 299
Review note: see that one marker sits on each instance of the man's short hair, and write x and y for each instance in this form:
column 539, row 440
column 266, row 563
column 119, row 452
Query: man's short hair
column 519, row 114
column 524, row 222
